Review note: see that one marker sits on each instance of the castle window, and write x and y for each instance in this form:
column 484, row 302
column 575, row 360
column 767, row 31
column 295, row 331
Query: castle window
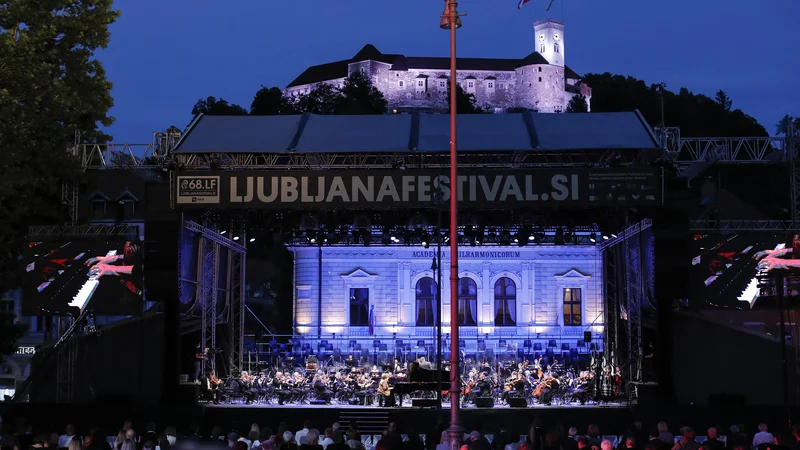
column 442, row 84
column 98, row 208
column 470, row 84
column 420, row 83
column 402, row 83
column 540, row 69
column 540, row 79
column 501, row 85
column 541, row 48
column 572, row 306
column 555, row 47
column 490, row 85
column 425, row 293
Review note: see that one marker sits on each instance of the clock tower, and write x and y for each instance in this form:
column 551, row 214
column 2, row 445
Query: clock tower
column 550, row 40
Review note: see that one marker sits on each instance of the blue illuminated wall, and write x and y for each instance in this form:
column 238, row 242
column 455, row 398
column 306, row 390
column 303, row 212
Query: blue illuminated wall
column 511, row 293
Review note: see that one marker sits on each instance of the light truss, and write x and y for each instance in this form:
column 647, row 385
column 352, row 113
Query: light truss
column 706, row 226
column 106, row 231
column 236, row 304
column 627, row 233
column 635, row 298
column 613, row 307
column 209, row 267
column 211, row 234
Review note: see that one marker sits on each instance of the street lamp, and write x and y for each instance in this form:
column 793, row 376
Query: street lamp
column 451, row 20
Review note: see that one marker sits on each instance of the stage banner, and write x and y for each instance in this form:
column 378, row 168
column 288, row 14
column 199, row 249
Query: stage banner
column 376, row 189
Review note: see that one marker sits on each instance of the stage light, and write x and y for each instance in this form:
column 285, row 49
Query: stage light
column 223, row 231
column 605, row 238
column 252, row 239
column 236, row 238
column 593, row 237
column 531, row 238
column 613, row 235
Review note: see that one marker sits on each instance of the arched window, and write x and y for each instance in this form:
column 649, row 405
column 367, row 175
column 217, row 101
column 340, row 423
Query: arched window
column 555, row 47
column 425, row 294
column 572, row 306
column 467, row 302
column 505, row 302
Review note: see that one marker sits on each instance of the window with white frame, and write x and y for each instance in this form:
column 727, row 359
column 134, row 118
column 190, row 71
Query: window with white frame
column 359, row 307
column 490, row 85
column 402, row 83
column 505, row 302
column 425, row 296
column 467, row 302
column 572, row 306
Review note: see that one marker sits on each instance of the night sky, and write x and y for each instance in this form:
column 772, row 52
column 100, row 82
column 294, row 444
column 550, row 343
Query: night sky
column 166, row 54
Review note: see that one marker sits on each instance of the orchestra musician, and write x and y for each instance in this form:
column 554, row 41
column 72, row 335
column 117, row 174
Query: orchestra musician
column 321, row 387
column 213, row 386
column 514, row 387
column 385, row 397
column 246, row 387
column 280, row 387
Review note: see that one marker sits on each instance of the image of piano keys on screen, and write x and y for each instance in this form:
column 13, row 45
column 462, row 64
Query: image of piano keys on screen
column 67, row 278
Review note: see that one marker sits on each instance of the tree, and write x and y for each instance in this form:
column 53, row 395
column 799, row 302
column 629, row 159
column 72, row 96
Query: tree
column 697, row 115
column 360, row 96
column 783, row 125
column 323, row 99
column 577, row 104
column 53, row 93
column 271, row 102
column 465, row 103
column 723, row 100
column 213, row 107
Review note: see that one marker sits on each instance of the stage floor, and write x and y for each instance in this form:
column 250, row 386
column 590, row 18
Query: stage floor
column 407, row 406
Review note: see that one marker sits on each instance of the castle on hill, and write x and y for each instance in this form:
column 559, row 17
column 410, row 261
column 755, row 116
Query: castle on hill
column 538, row 82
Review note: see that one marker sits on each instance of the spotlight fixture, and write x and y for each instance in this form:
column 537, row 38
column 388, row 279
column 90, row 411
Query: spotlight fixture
column 593, row 237
column 252, row 239
column 605, row 237
column 236, row 238
column 223, row 231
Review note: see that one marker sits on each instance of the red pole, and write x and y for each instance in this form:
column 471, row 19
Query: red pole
column 455, row 432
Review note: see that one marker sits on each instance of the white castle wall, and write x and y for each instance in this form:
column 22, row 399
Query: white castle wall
column 540, row 274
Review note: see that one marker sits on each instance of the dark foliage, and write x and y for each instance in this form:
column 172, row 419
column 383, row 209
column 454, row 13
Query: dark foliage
column 271, row 102
column 697, row 115
column 465, row 103
column 577, row 104
column 213, row 107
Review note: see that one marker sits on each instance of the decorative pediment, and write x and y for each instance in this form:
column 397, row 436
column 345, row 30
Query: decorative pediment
column 573, row 274
column 97, row 196
column 359, row 274
column 126, row 195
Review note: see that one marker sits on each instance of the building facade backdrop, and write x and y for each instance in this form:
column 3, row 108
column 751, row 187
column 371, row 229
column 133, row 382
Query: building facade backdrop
column 505, row 293
column 540, row 81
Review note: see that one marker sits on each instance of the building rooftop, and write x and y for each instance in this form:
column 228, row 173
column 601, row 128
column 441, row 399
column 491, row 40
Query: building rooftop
column 339, row 69
column 424, row 133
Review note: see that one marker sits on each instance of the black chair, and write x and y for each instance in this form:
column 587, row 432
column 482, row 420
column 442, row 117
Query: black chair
column 376, row 343
column 527, row 343
column 481, row 345
column 551, row 343
column 537, row 347
column 581, row 345
column 564, row 347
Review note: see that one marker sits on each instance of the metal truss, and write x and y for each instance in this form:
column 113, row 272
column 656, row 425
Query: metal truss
column 208, row 292
column 634, row 293
column 210, row 233
column 321, row 161
column 106, row 231
column 705, row 226
column 236, row 303
column 730, row 150
column 793, row 147
column 627, row 233
column 69, row 198
column 142, row 156
column 65, row 363
column 613, row 307
column 209, row 266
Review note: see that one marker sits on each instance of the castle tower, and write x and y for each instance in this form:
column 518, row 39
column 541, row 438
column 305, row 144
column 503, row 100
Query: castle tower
column 550, row 40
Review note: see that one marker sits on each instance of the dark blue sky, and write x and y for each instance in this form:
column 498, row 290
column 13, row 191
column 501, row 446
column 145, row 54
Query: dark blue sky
column 166, row 54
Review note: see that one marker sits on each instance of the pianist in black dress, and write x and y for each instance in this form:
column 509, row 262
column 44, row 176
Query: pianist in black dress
column 123, row 272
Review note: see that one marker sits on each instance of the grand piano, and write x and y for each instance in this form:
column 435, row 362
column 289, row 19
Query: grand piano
column 420, row 380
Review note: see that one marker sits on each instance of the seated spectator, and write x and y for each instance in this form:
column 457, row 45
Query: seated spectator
column 713, row 442
column 763, row 436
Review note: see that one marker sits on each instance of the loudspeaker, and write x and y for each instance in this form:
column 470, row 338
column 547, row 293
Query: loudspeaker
column 587, row 336
column 517, row 402
column 484, row 402
column 423, row 402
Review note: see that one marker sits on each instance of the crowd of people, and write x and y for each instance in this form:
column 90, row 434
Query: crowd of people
column 24, row 436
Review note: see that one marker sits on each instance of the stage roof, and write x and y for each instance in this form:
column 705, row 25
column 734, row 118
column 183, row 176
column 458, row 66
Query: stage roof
column 417, row 132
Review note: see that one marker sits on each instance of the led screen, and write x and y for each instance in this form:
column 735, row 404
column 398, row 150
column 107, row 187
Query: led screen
column 67, row 277
column 733, row 271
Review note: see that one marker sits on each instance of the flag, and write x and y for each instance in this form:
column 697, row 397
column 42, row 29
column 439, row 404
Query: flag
column 372, row 321
column 522, row 2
